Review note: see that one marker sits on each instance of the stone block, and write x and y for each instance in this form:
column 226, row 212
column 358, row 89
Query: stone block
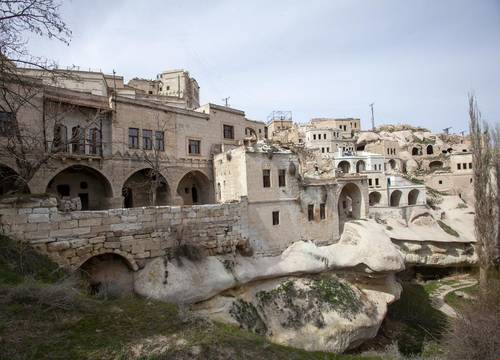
column 41, row 211
column 69, row 224
column 97, row 239
column 112, row 245
column 58, row 246
column 90, row 222
column 37, row 218
column 76, row 243
column 83, row 250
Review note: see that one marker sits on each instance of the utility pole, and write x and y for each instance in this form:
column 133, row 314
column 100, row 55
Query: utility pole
column 373, row 118
column 226, row 99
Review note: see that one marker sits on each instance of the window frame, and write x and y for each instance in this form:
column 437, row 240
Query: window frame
column 131, row 144
column 276, row 218
column 159, row 142
column 147, row 139
column 322, row 211
column 266, row 178
column 310, row 212
column 230, row 129
column 197, row 145
column 281, row 177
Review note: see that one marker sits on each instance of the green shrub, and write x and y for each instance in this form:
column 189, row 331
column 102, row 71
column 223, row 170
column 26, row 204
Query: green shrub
column 18, row 260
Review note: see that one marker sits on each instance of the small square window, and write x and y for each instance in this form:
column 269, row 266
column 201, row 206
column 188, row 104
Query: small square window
column 228, row 132
column 276, row 217
column 194, row 147
column 440, row 182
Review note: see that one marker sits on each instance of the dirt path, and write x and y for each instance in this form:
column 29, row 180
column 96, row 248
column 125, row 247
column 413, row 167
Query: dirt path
column 438, row 295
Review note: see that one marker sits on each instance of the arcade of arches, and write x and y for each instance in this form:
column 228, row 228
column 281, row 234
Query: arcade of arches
column 413, row 197
column 92, row 187
column 194, row 188
column 138, row 190
column 344, row 166
column 349, row 204
column 395, row 198
column 374, row 198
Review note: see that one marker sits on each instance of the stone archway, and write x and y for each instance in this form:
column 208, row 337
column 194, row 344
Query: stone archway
column 415, row 151
column 344, row 166
column 395, row 198
column 138, row 190
column 11, row 182
column 392, row 164
column 349, row 204
column 413, row 197
column 435, row 165
column 108, row 275
column 84, row 182
column 374, row 198
column 360, row 166
column 194, row 188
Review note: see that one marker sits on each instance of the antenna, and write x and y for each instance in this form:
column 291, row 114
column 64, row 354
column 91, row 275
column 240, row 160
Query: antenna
column 373, row 118
column 226, row 99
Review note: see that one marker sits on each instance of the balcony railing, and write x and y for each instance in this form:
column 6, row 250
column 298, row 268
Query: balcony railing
column 78, row 148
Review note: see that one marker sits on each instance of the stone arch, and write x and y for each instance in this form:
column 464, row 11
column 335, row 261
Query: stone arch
column 415, row 151
column 413, row 197
column 11, row 182
column 344, row 166
column 349, row 204
column 429, row 149
column 374, row 198
column 396, row 198
column 392, row 164
column 108, row 273
column 250, row 131
column 89, row 184
column 360, row 166
column 194, row 188
column 137, row 189
column 435, row 165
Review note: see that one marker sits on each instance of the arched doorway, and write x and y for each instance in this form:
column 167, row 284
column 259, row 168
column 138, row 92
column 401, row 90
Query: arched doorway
column 344, row 166
column 139, row 189
column 108, row 275
column 360, row 166
column 392, row 164
column 194, row 188
column 435, row 165
column 11, row 182
column 395, row 198
column 374, row 198
column 86, row 183
column 349, row 204
column 415, row 151
column 430, row 150
column 413, row 197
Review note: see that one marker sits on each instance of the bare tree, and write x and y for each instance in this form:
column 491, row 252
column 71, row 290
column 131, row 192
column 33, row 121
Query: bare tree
column 19, row 20
column 486, row 163
column 154, row 156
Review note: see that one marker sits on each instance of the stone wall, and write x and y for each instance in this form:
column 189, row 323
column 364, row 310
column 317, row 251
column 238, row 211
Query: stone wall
column 136, row 234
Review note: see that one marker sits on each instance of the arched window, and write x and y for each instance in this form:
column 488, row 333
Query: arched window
column 77, row 140
column 94, row 141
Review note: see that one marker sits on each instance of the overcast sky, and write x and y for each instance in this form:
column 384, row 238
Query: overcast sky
column 416, row 60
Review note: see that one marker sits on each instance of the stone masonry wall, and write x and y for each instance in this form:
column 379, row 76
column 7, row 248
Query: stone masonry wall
column 136, row 234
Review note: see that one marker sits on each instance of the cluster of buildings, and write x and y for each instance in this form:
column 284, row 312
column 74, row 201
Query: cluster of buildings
column 300, row 181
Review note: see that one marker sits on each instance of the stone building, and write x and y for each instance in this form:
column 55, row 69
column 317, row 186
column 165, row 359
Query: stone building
column 287, row 202
column 104, row 146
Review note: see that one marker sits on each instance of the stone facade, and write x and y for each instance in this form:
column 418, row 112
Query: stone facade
column 135, row 234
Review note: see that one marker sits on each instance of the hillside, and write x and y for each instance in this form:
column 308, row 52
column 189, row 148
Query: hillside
column 45, row 315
